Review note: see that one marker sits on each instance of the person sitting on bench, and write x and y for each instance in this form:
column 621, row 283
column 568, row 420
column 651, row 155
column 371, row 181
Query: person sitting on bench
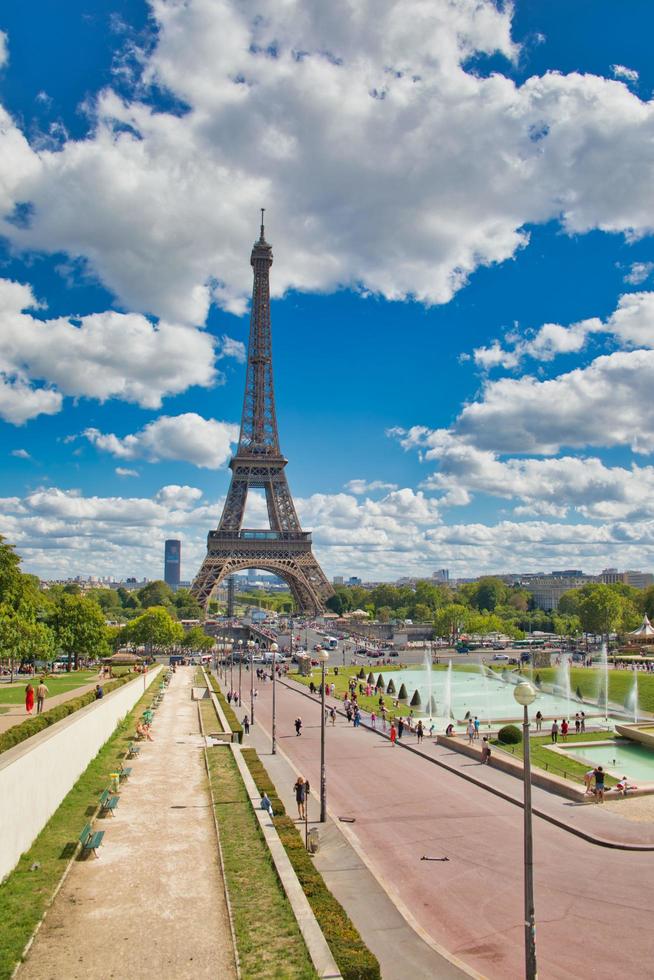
column 143, row 731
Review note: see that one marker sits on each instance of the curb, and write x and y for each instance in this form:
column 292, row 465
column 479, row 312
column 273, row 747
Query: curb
column 575, row 831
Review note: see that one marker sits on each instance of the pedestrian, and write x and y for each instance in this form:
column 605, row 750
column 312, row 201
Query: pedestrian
column 599, row 784
column 393, row 733
column 555, row 731
column 348, row 714
column 246, row 725
column 400, row 727
column 298, row 726
column 588, row 781
column 470, row 730
column 301, row 796
column 266, row 804
column 332, row 715
column 476, row 724
column 99, row 693
column 564, row 730
column 583, row 721
column 420, row 732
column 539, row 721
column 229, row 697
column 485, row 752
column 373, row 719
column 41, row 692
column 29, row 699
column 357, row 717
column 577, row 723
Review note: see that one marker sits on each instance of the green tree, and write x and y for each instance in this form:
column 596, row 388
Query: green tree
column 422, row 613
column 79, row 627
column 197, row 639
column 489, row 593
column 451, row 620
column 155, row 628
column 648, row 601
column 600, row 609
column 569, row 602
column 155, row 594
column 108, row 600
column 187, row 606
column 384, row 614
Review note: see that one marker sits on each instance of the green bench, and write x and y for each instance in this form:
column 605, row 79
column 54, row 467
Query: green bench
column 90, row 840
column 133, row 750
column 125, row 772
column 108, row 803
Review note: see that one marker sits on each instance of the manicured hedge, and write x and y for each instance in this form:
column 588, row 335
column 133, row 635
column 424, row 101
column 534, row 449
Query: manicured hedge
column 232, row 720
column 32, row 726
column 510, row 735
column 352, row 956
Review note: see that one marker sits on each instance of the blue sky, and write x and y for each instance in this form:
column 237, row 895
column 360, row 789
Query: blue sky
column 460, row 203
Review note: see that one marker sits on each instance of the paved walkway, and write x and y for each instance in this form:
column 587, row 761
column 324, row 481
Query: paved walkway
column 593, row 906
column 152, row 907
column 17, row 714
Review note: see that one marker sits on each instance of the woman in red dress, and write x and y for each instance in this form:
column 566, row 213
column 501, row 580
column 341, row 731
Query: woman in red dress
column 29, row 699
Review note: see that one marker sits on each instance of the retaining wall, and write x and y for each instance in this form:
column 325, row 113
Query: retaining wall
column 36, row 775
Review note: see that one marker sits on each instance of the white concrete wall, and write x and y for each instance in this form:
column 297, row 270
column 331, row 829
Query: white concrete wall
column 36, row 775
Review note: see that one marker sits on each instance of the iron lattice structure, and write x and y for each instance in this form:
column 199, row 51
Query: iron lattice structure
column 284, row 549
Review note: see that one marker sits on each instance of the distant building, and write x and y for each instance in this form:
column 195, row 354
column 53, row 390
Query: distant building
column 548, row 589
column 441, row 575
column 610, row 576
column 252, row 575
column 639, row 580
column 353, row 580
column 337, row 580
column 172, row 562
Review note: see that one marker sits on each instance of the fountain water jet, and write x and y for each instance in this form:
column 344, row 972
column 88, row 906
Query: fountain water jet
column 447, row 694
column 605, row 679
column 428, row 668
column 634, row 697
column 563, row 681
column 484, row 679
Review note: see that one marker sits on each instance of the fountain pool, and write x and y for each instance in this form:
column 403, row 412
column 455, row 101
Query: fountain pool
column 620, row 757
column 482, row 693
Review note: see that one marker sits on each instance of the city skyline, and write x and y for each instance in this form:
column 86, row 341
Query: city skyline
column 462, row 364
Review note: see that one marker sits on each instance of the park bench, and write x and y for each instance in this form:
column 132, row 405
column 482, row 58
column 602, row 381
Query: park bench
column 108, row 803
column 133, row 750
column 125, row 772
column 90, row 840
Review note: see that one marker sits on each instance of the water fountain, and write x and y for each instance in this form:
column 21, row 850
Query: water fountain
column 484, row 681
column 447, row 693
column 633, row 698
column 605, row 680
column 428, row 668
column 563, row 682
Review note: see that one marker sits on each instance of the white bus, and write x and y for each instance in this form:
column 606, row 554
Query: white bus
column 331, row 642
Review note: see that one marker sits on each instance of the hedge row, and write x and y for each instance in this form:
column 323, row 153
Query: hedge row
column 354, row 959
column 232, row 720
column 32, row 726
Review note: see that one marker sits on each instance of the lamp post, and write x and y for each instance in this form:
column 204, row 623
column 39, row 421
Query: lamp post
column 323, row 657
column 230, row 649
column 251, row 649
column 273, row 649
column 524, row 694
column 240, row 665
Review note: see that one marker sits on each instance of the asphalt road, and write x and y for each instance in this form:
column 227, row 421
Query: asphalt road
column 594, row 906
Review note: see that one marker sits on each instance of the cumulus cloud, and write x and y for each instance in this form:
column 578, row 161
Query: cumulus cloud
column 360, row 487
column 124, row 471
column 21, row 453
column 4, row 49
column 101, row 355
column 189, row 437
column 638, row 273
column 630, row 325
column 322, row 110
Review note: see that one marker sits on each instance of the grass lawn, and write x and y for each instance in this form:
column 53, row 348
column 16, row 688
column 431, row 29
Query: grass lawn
column 56, row 684
column 270, row 945
column 542, row 756
column 25, row 894
column 620, row 684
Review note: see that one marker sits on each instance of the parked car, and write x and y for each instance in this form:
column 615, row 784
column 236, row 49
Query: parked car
column 501, row 656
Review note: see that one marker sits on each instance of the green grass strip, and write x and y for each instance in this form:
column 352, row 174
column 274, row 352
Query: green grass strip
column 353, row 958
column 270, row 945
column 56, row 684
column 32, row 726
column 232, row 720
column 24, row 894
column 542, row 756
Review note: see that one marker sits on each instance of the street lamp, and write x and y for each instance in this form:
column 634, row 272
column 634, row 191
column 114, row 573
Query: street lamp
column 240, row 664
column 525, row 694
column 273, row 649
column 323, row 657
column 251, row 649
column 229, row 647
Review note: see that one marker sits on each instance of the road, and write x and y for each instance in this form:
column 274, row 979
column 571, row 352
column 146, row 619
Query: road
column 593, row 906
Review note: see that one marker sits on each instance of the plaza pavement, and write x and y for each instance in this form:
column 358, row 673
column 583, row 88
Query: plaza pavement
column 152, row 906
column 593, row 905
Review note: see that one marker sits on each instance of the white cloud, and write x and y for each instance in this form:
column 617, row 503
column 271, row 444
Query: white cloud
column 101, row 355
column 189, row 437
column 639, row 272
column 361, row 487
column 21, row 453
column 4, row 49
column 628, row 74
column 323, row 110
column 124, row 471
column 630, row 325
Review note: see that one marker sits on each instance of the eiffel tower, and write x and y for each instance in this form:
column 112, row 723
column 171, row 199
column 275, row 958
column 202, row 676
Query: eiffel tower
column 284, row 549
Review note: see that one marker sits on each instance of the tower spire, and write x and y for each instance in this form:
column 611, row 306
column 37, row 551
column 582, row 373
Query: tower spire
column 263, row 237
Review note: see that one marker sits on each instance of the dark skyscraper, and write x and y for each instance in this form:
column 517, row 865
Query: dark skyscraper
column 172, row 562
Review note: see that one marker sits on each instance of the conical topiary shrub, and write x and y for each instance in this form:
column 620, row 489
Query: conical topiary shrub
column 380, row 682
column 362, row 674
column 537, row 681
column 371, row 679
column 390, row 688
column 415, row 700
column 403, row 696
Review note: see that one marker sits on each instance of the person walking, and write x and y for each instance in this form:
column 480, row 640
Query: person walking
column 539, row 721
column 400, row 728
column 564, row 730
column 577, row 723
column 393, row 733
column 476, row 724
column 29, row 699
column 246, row 725
column 300, row 789
column 599, row 784
column 41, row 692
column 420, row 732
column 582, row 719
column 357, row 717
column 373, row 719
column 554, row 733
column 485, row 752
column 298, row 726
column 470, row 730
column 332, row 715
